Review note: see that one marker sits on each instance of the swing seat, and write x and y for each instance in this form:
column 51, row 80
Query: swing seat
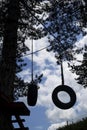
column 68, row 90
column 32, row 94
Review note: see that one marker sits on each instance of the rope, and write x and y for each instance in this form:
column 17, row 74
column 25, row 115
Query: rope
column 37, row 51
column 62, row 74
column 32, row 61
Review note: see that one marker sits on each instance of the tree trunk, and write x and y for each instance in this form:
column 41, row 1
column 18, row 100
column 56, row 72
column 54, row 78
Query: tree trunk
column 8, row 61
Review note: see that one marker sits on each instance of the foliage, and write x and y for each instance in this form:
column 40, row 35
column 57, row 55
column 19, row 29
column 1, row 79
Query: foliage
column 81, row 70
column 21, row 87
column 28, row 27
column 81, row 125
column 64, row 22
column 84, row 13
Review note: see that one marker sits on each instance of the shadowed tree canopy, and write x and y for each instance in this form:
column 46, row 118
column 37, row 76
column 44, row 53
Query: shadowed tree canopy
column 81, row 69
column 65, row 23
column 21, row 24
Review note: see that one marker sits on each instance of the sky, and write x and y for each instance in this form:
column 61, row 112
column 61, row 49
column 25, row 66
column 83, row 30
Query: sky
column 45, row 115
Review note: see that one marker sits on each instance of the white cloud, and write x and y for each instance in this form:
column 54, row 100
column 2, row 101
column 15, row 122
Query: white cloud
column 82, row 42
column 55, row 126
column 39, row 127
column 46, row 63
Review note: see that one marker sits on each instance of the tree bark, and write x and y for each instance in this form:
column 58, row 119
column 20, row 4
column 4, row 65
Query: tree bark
column 8, row 61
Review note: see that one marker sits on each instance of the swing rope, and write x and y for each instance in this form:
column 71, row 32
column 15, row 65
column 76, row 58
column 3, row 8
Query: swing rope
column 32, row 60
column 62, row 74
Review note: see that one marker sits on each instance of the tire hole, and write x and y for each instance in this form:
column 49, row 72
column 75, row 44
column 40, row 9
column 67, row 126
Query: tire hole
column 64, row 97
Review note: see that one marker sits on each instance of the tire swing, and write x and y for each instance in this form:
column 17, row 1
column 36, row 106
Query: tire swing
column 63, row 88
column 32, row 88
column 32, row 94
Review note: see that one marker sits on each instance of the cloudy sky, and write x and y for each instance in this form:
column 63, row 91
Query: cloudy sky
column 45, row 115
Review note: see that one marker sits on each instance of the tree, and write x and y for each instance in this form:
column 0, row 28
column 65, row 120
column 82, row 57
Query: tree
column 64, row 23
column 84, row 13
column 15, row 27
column 26, row 27
column 8, row 60
column 81, row 70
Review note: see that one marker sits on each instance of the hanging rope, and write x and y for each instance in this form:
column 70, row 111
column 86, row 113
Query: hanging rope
column 32, row 88
column 62, row 74
column 32, row 60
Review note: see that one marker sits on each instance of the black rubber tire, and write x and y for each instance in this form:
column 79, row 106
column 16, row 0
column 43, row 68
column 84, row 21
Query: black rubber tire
column 32, row 94
column 68, row 90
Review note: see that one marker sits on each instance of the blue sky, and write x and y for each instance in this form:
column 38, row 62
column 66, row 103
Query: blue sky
column 45, row 115
column 37, row 119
